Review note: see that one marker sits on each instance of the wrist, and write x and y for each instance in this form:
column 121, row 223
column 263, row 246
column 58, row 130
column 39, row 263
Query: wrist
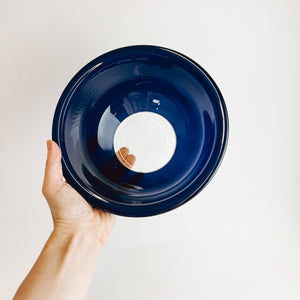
column 76, row 236
column 64, row 268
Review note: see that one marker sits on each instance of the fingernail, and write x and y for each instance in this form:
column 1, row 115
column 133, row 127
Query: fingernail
column 48, row 145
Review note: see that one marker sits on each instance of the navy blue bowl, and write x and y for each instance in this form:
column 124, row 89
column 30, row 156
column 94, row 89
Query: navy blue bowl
column 119, row 84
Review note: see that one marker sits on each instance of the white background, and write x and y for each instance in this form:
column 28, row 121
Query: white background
column 240, row 237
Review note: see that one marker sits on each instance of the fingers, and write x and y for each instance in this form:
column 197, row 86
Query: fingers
column 53, row 179
column 123, row 152
column 129, row 161
column 125, row 158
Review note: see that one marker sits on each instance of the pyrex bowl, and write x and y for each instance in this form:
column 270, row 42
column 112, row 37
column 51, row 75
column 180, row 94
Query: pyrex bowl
column 155, row 100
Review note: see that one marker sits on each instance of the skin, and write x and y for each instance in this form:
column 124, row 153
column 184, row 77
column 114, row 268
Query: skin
column 125, row 158
column 66, row 264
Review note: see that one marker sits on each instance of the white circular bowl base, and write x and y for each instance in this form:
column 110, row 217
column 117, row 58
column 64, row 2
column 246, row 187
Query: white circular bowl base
column 149, row 137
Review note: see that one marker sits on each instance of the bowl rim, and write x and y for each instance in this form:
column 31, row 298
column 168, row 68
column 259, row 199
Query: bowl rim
column 126, row 209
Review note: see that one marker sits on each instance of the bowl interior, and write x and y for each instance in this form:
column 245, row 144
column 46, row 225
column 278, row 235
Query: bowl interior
column 138, row 86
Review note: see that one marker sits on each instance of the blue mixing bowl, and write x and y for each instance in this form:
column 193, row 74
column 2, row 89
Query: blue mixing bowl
column 153, row 93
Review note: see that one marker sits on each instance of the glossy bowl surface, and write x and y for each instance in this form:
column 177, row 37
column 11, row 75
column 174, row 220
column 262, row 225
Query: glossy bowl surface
column 117, row 85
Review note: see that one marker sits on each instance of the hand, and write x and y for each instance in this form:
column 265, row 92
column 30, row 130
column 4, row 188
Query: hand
column 70, row 212
column 125, row 158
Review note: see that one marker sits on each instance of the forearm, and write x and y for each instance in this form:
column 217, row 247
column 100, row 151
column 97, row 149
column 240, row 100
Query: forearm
column 64, row 268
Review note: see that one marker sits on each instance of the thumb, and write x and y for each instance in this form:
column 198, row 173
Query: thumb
column 53, row 179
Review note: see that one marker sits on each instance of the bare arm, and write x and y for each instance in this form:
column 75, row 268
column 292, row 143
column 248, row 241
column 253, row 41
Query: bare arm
column 66, row 264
